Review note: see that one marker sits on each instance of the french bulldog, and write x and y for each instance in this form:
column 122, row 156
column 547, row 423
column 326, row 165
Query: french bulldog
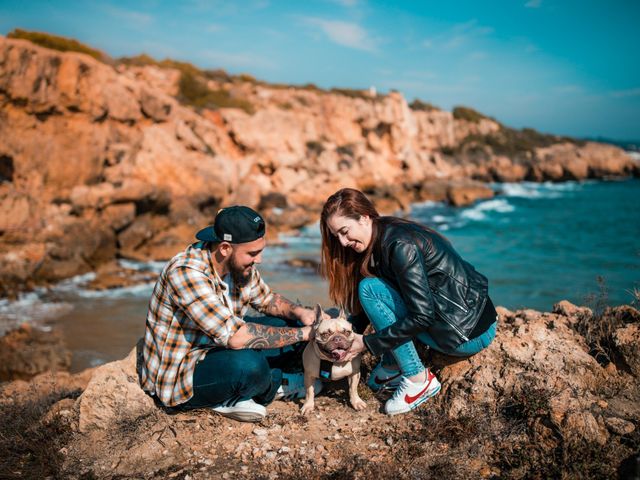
column 331, row 342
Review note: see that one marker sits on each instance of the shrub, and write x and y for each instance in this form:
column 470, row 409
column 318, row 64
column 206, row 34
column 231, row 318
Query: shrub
column 55, row 42
column 468, row 114
column 599, row 327
column 193, row 91
column 30, row 446
column 315, row 147
column 353, row 93
column 508, row 142
column 420, row 106
column 346, row 150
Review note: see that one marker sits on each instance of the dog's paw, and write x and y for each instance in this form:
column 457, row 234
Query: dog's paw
column 358, row 404
column 307, row 408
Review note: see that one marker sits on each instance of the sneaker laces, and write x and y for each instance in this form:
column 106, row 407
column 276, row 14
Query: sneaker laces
column 402, row 386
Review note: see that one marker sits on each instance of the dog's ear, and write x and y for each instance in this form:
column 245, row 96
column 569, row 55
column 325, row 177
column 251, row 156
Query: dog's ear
column 318, row 312
column 342, row 313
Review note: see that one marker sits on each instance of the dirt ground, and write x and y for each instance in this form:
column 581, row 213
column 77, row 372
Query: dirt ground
column 534, row 405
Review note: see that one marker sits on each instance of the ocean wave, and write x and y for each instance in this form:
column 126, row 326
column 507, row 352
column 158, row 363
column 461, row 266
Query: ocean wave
column 152, row 266
column 538, row 190
column 479, row 211
column 138, row 290
column 29, row 308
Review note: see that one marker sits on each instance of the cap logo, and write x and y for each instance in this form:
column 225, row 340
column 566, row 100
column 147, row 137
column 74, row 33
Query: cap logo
column 227, row 237
column 257, row 219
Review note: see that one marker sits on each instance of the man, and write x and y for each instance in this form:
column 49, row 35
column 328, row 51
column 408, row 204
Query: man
column 199, row 351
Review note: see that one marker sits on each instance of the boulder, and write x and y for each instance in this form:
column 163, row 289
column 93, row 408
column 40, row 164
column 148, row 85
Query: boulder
column 114, row 395
column 541, row 364
column 462, row 194
column 28, row 351
column 627, row 341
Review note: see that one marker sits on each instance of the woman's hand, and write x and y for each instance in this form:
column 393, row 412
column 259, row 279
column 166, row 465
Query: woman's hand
column 356, row 348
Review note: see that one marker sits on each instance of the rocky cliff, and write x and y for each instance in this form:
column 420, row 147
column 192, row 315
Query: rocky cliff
column 100, row 161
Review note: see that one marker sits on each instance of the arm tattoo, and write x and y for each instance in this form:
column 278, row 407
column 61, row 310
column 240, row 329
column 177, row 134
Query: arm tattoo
column 280, row 307
column 265, row 336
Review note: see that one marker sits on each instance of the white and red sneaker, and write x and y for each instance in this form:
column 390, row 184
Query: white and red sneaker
column 382, row 377
column 410, row 395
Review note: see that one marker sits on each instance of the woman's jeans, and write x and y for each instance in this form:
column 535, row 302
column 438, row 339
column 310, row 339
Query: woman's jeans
column 226, row 376
column 384, row 306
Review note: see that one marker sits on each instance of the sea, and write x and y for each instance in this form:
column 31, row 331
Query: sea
column 537, row 243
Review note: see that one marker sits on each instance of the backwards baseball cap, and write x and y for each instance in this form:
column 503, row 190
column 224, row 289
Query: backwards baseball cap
column 237, row 224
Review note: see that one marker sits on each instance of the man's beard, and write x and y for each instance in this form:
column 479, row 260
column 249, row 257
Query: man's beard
column 238, row 274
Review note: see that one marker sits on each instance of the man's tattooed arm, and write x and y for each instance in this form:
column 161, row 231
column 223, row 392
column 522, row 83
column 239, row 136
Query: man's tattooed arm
column 254, row 335
column 283, row 308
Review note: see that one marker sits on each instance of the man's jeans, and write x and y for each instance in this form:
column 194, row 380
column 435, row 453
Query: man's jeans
column 226, row 375
column 384, row 306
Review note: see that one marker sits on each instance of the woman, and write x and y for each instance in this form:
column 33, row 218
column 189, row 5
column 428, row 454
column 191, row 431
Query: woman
column 410, row 283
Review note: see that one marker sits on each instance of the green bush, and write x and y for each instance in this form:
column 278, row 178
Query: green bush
column 420, row 106
column 194, row 91
column 508, row 142
column 347, row 150
column 353, row 93
column 56, row 42
column 468, row 114
column 315, row 147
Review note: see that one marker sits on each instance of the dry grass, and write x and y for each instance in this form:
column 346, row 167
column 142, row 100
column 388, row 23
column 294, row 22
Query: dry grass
column 29, row 446
column 55, row 42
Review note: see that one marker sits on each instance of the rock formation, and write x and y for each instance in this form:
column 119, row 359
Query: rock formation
column 535, row 404
column 99, row 162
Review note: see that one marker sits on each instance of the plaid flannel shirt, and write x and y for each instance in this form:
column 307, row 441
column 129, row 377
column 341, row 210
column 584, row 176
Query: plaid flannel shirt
column 188, row 316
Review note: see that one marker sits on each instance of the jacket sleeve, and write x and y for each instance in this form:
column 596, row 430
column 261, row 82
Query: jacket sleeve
column 407, row 264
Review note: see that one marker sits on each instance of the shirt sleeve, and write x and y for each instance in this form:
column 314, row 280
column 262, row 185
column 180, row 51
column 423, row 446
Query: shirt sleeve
column 192, row 292
column 261, row 295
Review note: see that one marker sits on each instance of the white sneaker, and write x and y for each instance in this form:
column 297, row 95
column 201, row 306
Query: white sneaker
column 410, row 395
column 243, row 411
column 292, row 387
column 381, row 377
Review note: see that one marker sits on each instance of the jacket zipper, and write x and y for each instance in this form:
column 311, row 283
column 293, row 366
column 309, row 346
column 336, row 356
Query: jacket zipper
column 438, row 292
column 464, row 337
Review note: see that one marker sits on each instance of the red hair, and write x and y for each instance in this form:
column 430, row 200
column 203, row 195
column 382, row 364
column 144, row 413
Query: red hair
column 343, row 267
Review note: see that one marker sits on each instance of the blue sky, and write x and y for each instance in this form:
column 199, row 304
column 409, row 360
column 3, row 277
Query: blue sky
column 564, row 67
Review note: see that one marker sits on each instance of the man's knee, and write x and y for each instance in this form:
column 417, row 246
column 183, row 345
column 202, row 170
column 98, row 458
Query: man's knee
column 250, row 365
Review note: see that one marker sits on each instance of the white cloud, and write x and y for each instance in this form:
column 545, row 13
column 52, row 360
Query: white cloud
column 347, row 34
column 458, row 36
column 631, row 92
column 533, row 4
column 131, row 16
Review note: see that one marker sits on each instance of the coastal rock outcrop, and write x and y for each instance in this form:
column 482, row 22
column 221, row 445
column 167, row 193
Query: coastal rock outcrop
column 98, row 162
column 28, row 351
column 535, row 403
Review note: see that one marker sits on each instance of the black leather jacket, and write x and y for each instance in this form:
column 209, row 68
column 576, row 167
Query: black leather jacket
column 444, row 295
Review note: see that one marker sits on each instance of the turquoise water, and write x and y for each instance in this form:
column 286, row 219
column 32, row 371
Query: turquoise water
column 537, row 244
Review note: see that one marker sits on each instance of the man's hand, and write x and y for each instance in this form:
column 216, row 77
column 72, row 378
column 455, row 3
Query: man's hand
column 357, row 347
column 305, row 315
